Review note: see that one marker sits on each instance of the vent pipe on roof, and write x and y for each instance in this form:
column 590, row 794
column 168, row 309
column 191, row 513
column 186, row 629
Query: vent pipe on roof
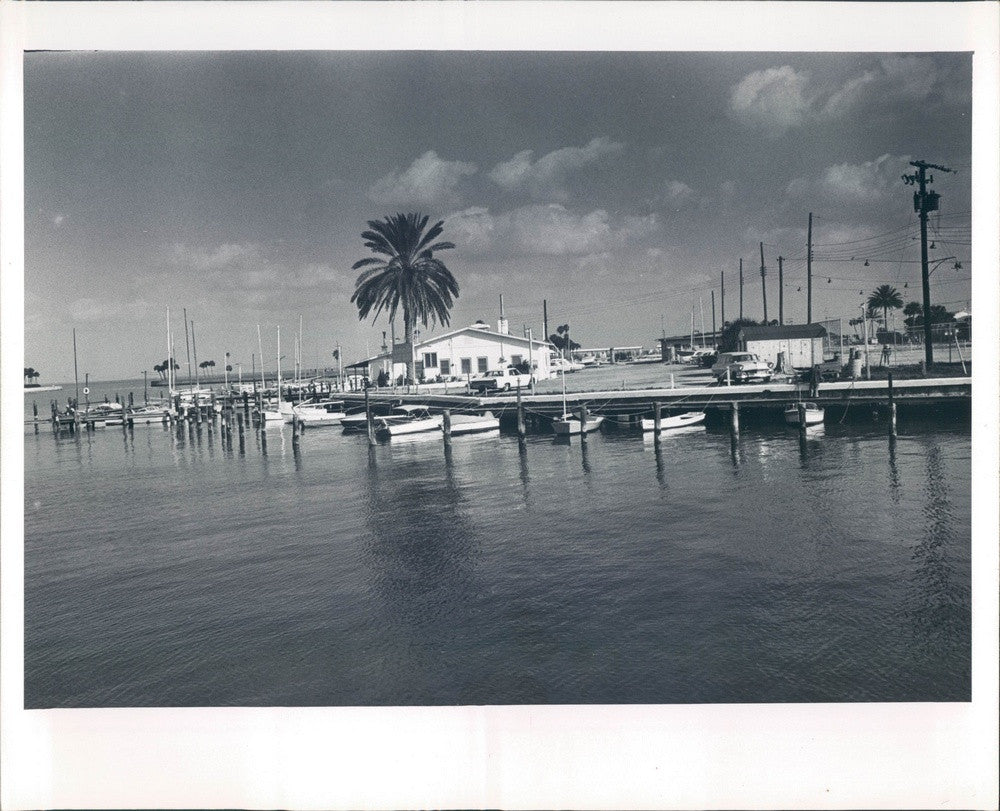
column 502, row 326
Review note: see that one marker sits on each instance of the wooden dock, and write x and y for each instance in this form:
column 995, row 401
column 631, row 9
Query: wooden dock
column 762, row 397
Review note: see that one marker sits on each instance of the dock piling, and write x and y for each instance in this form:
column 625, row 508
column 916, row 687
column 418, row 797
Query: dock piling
column 657, row 418
column 734, row 419
column 370, row 423
column 892, row 409
column 520, row 412
column 583, row 422
column 802, row 419
column 446, row 426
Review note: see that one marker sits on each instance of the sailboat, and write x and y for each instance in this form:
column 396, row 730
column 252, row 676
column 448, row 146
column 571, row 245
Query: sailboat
column 569, row 424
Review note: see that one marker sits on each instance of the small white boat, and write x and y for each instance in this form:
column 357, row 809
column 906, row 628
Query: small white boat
column 414, row 419
column 148, row 415
column 813, row 414
column 473, row 423
column 328, row 412
column 677, row 421
column 569, row 424
column 103, row 414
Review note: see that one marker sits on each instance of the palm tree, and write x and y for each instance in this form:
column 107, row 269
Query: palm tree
column 405, row 274
column 887, row 298
column 914, row 312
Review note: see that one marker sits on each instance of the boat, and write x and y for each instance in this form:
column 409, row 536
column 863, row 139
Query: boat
column 100, row 415
column 474, row 423
column 358, row 420
column 813, row 414
column 325, row 412
column 408, row 419
column 676, row 421
column 148, row 414
column 569, row 424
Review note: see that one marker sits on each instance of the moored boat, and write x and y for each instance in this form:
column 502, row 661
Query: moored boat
column 474, row 423
column 813, row 414
column 414, row 419
column 676, row 421
column 569, row 424
column 148, row 415
column 327, row 412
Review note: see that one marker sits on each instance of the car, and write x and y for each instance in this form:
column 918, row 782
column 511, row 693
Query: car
column 741, row 367
column 505, row 379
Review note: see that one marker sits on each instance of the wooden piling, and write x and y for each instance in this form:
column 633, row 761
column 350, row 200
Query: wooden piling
column 734, row 419
column 197, row 410
column 802, row 418
column 892, row 408
column 446, row 426
column 369, row 421
column 583, row 422
column 520, row 412
column 657, row 419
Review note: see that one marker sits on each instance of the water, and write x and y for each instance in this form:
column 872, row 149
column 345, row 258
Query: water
column 163, row 568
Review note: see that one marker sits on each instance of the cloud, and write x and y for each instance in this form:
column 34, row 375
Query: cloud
column 429, row 180
column 679, row 194
column 772, row 100
column 861, row 184
column 228, row 255
column 546, row 230
column 109, row 310
column 546, row 178
column 778, row 99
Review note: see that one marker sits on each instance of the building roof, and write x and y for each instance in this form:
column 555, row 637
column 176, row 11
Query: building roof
column 776, row 333
column 479, row 330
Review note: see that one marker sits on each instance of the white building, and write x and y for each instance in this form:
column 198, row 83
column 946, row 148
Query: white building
column 461, row 354
column 801, row 344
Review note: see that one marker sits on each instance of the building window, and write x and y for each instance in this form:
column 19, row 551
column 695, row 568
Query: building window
column 483, row 364
column 516, row 360
column 466, row 366
column 430, row 360
column 445, row 366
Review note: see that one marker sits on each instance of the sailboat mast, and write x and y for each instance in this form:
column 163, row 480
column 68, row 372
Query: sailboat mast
column 701, row 306
column 279, row 363
column 260, row 350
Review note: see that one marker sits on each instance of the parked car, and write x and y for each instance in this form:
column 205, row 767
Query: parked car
column 506, row 379
column 742, row 367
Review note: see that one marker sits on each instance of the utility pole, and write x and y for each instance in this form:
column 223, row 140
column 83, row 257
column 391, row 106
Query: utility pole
column 715, row 337
column 781, row 291
column 545, row 320
column 763, row 280
column 923, row 203
column 809, row 272
column 722, row 277
column 741, row 289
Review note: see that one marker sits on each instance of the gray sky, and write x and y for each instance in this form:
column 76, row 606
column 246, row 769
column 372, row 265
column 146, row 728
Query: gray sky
column 615, row 185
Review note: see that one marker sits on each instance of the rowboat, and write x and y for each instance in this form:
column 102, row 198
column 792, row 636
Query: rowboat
column 813, row 414
column 677, row 421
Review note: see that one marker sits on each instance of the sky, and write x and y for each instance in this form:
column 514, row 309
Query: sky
column 616, row 186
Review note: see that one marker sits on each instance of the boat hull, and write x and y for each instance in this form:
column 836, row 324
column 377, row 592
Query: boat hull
column 403, row 427
column 678, row 421
column 569, row 426
column 814, row 416
column 473, row 423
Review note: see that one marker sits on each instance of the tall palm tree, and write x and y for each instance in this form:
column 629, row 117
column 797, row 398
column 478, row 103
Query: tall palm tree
column 405, row 274
column 887, row 298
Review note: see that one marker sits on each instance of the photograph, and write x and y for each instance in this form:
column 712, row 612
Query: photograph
column 525, row 382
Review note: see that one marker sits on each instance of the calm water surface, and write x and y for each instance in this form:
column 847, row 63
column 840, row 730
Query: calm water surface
column 164, row 568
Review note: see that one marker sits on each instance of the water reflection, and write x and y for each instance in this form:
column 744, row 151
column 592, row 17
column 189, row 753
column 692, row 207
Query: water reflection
column 522, row 458
column 894, row 485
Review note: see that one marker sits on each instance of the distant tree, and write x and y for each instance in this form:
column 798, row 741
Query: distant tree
column 914, row 313
column 160, row 369
column 941, row 314
column 561, row 340
column 405, row 274
column 729, row 337
column 207, row 364
column 885, row 297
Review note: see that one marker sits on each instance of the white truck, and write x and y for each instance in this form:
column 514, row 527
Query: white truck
column 506, row 379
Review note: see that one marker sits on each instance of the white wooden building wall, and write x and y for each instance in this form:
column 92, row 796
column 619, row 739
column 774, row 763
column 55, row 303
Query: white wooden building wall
column 801, row 353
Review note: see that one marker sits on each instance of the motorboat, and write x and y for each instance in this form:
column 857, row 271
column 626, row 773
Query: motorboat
column 358, row 421
column 326, row 412
column 676, row 421
column 813, row 414
column 148, row 414
column 474, row 423
column 408, row 419
column 100, row 415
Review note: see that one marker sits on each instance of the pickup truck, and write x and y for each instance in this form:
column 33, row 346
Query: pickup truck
column 506, row 379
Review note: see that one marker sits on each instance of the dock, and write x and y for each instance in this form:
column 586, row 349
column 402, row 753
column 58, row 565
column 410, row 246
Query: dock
column 761, row 397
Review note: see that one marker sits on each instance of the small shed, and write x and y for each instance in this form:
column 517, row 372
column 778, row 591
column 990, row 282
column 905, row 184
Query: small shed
column 801, row 343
